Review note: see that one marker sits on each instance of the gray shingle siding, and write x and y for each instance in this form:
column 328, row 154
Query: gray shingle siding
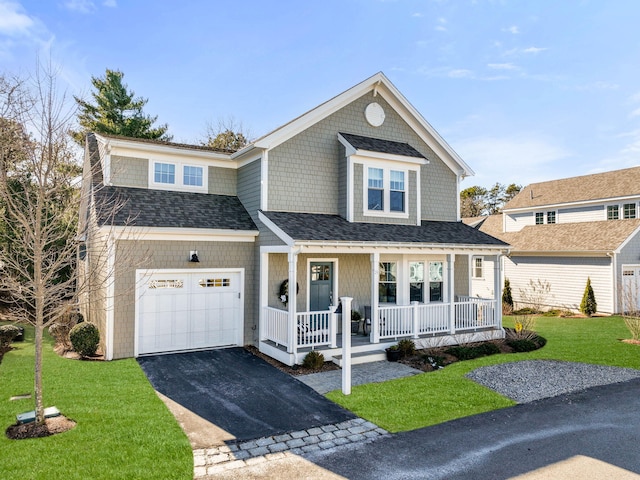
column 303, row 171
column 129, row 171
column 222, row 181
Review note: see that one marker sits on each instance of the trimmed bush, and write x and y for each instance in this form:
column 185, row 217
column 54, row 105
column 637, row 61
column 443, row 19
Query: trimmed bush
column 588, row 306
column 407, row 347
column 7, row 334
column 507, row 298
column 85, row 339
column 463, row 352
column 527, row 344
column 313, row 360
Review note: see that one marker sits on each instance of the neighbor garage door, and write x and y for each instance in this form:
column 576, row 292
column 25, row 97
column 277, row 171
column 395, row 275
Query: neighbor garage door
column 188, row 310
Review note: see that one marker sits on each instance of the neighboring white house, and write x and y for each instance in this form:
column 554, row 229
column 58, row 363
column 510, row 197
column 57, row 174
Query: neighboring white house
column 564, row 231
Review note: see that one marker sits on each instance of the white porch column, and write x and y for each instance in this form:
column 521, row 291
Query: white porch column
column 293, row 321
column 497, row 288
column 414, row 317
column 333, row 326
column 451, row 263
column 264, row 293
column 346, row 345
column 375, row 277
column 470, row 274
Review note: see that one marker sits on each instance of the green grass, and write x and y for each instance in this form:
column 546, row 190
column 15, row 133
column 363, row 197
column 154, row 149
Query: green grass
column 436, row 397
column 123, row 431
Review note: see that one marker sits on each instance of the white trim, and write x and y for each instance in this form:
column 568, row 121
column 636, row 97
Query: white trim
column 597, row 202
column 110, row 298
column 350, row 190
column 178, row 185
column 386, row 189
column 276, row 230
column 142, row 273
column 264, row 181
column 263, row 292
column 334, row 280
column 180, row 234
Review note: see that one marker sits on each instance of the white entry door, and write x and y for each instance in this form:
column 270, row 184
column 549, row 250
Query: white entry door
column 630, row 294
column 188, row 310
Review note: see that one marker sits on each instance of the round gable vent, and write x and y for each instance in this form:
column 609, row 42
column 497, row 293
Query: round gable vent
column 374, row 114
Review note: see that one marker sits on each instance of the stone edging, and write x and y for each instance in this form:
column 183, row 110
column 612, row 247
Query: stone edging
column 213, row 460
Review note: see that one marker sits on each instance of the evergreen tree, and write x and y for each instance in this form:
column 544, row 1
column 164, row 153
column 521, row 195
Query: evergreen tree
column 507, row 298
column 588, row 306
column 115, row 111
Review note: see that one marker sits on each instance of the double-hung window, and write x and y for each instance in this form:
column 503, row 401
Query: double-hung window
column 539, row 218
column 386, row 190
column 387, row 283
column 192, row 176
column 477, row 267
column 629, row 210
column 613, row 212
column 435, row 281
column 416, row 282
column 551, row 217
column 164, row 173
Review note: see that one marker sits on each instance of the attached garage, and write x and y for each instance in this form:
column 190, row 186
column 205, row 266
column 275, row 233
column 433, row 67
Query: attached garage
column 178, row 310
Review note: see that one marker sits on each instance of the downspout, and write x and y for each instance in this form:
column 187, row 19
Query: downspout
column 614, row 277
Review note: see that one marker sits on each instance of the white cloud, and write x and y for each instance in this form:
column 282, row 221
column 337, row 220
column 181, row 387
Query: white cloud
column 598, row 86
column 441, row 26
column 110, row 3
column 417, row 15
column 460, row 73
column 635, row 98
column 13, row 20
column 534, row 50
column 512, row 29
column 81, row 6
column 502, row 66
column 524, row 51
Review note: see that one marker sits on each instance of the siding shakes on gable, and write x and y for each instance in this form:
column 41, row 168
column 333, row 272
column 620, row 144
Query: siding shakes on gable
column 305, row 171
column 129, row 171
column 222, row 181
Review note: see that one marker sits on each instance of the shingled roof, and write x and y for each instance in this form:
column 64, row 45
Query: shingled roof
column 161, row 208
column 618, row 183
column 319, row 227
column 379, row 145
column 583, row 237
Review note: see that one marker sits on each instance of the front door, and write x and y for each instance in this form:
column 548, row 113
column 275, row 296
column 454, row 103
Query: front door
column 320, row 286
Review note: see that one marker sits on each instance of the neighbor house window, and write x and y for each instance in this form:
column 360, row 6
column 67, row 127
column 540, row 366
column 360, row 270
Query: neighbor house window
column 192, row 176
column 386, row 190
column 613, row 212
column 539, row 218
column 435, row 281
column 416, row 282
column 376, row 189
column 477, row 267
column 387, row 284
column 551, row 217
column 164, row 173
column 629, row 210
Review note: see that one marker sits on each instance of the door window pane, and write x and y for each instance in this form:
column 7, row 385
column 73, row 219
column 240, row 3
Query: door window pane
column 387, row 285
column 435, row 281
column 416, row 282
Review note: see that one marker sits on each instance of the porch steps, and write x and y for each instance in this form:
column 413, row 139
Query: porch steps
column 362, row 357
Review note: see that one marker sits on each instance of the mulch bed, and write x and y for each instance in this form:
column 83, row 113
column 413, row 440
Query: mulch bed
column 296, row 369
column 51, row 426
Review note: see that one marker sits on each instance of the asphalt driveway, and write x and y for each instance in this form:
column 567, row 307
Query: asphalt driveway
column 240, row 393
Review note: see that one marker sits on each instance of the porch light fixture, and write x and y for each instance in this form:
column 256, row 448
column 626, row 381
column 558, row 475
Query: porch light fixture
column 193, row 256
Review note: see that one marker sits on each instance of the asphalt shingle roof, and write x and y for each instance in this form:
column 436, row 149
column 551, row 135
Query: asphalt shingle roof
column 602, row 236
column 159, row 208
column 618, row 183
column 319, row 227
column 382, row 146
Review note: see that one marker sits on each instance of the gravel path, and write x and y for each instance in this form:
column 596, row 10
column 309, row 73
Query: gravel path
column 531, row 380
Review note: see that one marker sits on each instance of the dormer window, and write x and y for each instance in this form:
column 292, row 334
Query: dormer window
column 386, row 190
column 186, row 177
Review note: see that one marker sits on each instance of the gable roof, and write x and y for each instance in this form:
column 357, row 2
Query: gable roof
column 326, row 228
column 358, row 142
column 143, row 207
column 584, row 237
column 380, row 85
column 598, row 186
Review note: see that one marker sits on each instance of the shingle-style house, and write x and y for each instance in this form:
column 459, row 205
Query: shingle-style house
column 357, row 197
column 564, row 231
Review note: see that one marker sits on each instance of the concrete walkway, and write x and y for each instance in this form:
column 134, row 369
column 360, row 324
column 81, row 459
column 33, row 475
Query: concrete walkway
column 361, row 374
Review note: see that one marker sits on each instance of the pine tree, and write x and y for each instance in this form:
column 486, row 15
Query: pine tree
column 507, row 299
column 116, row 111
column 588, row 306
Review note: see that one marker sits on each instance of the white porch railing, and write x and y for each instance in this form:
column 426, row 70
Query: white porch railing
column 314, row 329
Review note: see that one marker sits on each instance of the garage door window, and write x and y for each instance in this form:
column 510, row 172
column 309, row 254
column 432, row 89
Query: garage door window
column 215, row 282
column 166, row 284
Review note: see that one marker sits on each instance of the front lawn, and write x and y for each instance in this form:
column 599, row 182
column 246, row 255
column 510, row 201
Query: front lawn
column 436, row 397
column 123, row 429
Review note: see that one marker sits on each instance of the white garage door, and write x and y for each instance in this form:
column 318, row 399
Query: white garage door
column 187, row 310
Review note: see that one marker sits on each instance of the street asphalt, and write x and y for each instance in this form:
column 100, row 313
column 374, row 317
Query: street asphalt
column 591, row 434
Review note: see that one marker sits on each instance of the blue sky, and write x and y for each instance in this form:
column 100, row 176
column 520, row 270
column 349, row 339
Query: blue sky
column 524, row 91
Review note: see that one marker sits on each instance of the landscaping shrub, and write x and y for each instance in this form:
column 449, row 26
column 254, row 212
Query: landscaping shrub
column 526, row 311
column 407, row 347
column 633, row 324
column 7, row 334
column 469, row 352
column 507, row 298
column 588, row 306
column 526, row 344
column 85, row 338
column 313, row 360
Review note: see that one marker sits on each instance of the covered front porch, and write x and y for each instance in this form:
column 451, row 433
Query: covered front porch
column 401, row 292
